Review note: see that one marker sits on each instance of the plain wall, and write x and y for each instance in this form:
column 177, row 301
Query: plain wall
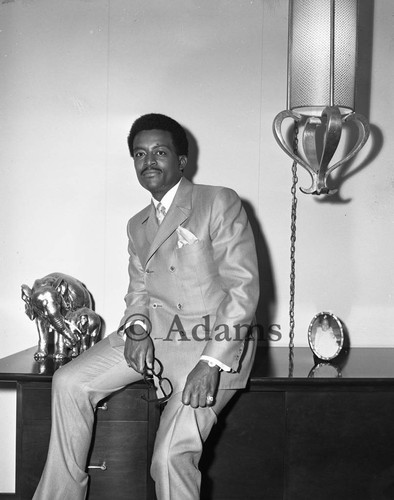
column 76, row 74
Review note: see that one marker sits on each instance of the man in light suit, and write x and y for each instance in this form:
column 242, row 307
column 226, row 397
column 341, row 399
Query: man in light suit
column 191, row 300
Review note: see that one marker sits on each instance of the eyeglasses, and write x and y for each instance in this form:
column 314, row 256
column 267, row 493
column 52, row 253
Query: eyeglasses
column 164, row 383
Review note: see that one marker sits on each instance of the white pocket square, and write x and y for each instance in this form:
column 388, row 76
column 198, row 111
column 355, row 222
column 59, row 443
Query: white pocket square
column 185, row 237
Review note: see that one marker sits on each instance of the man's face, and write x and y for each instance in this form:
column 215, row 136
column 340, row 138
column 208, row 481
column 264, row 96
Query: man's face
column 156, row 162
column 325, row 325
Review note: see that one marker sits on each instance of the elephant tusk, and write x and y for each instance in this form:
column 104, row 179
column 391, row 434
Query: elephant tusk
column 72, row 326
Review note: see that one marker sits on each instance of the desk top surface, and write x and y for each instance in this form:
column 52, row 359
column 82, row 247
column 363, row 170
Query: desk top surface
column 356, row 365
column 23, row 366
column 273, row 365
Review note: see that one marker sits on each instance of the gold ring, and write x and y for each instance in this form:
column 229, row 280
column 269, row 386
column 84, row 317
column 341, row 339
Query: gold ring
column 209, row 399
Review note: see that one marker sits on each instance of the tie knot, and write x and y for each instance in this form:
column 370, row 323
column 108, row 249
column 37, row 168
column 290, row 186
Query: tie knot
column 160, row 212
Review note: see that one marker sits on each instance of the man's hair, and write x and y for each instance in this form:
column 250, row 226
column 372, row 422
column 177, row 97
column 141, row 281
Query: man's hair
column 154, row 121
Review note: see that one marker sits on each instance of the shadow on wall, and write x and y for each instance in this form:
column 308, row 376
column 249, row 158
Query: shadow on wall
column 267, row 301
column 192, row 159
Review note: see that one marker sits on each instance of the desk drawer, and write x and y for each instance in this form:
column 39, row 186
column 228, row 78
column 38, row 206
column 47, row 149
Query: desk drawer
column 126, row 404
column 118, row 461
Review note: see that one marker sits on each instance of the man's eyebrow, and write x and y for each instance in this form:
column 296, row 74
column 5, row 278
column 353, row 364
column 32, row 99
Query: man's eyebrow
column 155, row 146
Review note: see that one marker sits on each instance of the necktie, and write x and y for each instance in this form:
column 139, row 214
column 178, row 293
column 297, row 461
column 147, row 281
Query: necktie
column 160, row 213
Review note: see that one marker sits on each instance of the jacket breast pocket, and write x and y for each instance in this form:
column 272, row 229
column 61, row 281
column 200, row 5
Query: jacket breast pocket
column 185, row 250
column 195, row 263
column 189, row 257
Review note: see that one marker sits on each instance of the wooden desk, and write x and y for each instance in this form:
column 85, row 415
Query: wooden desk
column 122, row 443
column 300, row 438
column 287, row 437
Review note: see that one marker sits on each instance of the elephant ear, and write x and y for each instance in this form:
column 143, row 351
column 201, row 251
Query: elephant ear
column 61, row 286
column 26, row 296
column 26, row 293
column 63, row 290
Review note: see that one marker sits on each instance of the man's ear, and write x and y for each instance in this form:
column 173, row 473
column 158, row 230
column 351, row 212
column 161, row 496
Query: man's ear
column 182, row 162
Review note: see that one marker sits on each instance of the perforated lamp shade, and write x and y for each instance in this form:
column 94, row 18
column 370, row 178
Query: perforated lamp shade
column 322, row 55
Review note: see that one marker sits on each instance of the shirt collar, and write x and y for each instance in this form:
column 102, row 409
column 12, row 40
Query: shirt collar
column 168, row 198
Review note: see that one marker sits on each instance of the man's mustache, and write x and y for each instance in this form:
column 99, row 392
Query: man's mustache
column 150, row 169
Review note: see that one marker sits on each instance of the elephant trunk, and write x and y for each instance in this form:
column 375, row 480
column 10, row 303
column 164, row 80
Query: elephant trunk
column 60, row 326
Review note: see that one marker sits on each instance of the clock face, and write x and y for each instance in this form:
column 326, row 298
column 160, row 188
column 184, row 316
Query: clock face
column 325, row 336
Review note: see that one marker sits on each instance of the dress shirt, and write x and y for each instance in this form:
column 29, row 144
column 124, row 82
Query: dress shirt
column 168, row 198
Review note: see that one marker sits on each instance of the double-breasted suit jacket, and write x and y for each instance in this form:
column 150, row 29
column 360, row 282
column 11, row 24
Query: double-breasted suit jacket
column 201, row 297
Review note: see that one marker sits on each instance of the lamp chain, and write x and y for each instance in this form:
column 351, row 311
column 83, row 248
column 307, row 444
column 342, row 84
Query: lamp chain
column 293, row 228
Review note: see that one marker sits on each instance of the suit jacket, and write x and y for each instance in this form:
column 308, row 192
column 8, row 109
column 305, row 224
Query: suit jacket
column 200, row 298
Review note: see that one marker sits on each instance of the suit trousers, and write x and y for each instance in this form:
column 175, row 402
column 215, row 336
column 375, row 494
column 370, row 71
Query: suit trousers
column 77, row 387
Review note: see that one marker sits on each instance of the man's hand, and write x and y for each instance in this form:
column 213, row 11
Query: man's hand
column 202, row 382
column 139, row 354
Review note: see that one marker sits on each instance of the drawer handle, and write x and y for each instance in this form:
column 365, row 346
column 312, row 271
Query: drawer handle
column 103, row 407
column 103, row 466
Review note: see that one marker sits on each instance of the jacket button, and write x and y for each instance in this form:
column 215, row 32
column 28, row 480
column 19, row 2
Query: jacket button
column 172, row 269
column 179, row 306
column 154, row 305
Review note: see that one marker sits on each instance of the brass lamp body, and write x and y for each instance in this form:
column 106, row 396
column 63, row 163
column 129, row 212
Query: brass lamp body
column 322, row 64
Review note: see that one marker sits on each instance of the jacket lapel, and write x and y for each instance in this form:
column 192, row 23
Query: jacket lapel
column 143, row 229
column 177, row 215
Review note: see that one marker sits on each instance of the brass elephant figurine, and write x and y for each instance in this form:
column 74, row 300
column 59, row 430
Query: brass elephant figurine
column 61, row 305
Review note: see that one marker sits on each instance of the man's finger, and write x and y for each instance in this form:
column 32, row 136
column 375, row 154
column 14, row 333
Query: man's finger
column 186, row 395
column 131, row 364
column 139, row 362
column 194, row 400
column 202, row 401
column 210, row 400
column 212, row 391
column 149, row 357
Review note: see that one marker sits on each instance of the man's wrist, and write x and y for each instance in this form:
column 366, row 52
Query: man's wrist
column 215, row 362
column 211, row 364
column 131, row 331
